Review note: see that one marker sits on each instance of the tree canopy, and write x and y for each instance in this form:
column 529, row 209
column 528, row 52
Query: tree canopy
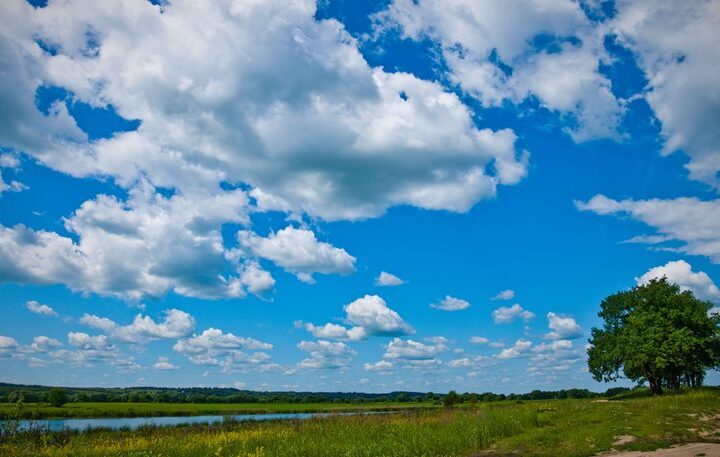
column 656, row 333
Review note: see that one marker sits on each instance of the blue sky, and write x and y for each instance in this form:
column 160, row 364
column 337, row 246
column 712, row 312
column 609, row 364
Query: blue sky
column 355, row 196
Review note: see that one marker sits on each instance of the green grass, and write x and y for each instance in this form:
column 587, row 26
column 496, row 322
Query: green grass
column 559, row 428
column 90, row 410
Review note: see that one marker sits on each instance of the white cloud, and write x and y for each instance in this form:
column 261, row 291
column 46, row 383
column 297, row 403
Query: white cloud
column 506, row 315
column 562, row 327
column 507, row 294
column 325, row 354
column 8, row 346
column 690, row 221
column 335, row 331
column 451, row 304
column 555, row 346
column 43, row 344
column 146, row 245
column 519, row 349
column 675, row 44
column 368, row 316
column 38, row 308
column 215, row 340
column 175, row 324
column 8, row 160
column 100, row 323
column 371, row 313
column 255, row 278
column 680, row 272
column 382, row 365
column 85, row 341
column 213, row 347
column 388, row 280
column 295, row 111
column 412, row 350
column 460, row 363
column 475, row 35
column 299, row 252
column 478, row 340
column 164, row 364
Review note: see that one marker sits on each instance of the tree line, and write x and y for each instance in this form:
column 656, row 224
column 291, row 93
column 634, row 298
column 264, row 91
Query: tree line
column 38, row 394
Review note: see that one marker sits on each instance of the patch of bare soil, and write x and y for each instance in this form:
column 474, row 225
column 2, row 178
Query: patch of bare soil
column 686, row 450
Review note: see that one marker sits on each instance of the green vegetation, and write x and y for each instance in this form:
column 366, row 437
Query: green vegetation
column 655, row 333
column 12, row 393
column 555, row 428
column 90, row 410
column 57, row 397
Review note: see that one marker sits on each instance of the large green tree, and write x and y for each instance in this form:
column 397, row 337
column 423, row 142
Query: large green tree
column 655, row 333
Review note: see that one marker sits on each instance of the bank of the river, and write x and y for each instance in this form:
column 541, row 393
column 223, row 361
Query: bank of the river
column 92, row 410
column 559, row 428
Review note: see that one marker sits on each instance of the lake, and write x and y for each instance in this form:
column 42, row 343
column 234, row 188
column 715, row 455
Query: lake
column 134, row 423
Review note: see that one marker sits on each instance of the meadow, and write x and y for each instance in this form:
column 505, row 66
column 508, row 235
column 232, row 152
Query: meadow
column 125, row 409
column 531, row 428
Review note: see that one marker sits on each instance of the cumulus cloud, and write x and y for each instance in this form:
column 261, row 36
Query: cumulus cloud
column 562, row 327
column 9, row 161
column 334, row 331
column 100, row 323
column 215, row 340
column 680, row 272
column 38, row 308
column 690, row 221
column 675, row 44
column 213, row 347
column 492, row 54
column 175, row 324
column 451, row 304
column 506, row 315
column 8, row 346
column 368, row 316
column 164, row 364
column 386, row 279
column 146, row 245
column 399, row 349
column 372, row 314
column 295, row 112
column 507, row 294
column 521, row 348
column 298, row 251
column 85, row 341
column 478, row 340
column 325, row 354
column 381, row 366
column 43, row 344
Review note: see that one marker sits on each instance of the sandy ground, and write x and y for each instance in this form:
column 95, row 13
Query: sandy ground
column 687, row 450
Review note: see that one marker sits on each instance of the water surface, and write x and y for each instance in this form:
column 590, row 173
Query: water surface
column 133, row 423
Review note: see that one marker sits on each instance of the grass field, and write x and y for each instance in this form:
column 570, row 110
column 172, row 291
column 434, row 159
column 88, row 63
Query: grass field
column 539, row 428
column 90, row 410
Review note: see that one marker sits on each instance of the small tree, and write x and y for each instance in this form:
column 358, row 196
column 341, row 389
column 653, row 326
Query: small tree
column 57, row 397
column 655, row 333
column 451, row 399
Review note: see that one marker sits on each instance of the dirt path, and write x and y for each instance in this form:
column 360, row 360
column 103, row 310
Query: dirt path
column 687, row 450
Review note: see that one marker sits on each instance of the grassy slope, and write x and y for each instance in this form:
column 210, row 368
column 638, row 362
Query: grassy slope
column 560, row 428
column 88, row 410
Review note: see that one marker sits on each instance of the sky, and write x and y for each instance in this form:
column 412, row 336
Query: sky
column 347, row 196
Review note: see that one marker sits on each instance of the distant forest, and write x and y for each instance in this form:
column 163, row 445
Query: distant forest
column 12, row 393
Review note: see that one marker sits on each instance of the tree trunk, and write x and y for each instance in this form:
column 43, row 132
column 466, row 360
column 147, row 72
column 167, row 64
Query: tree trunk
column 655, row 385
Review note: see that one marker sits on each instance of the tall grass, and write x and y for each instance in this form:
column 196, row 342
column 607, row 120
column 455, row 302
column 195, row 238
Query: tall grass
column 417, row 434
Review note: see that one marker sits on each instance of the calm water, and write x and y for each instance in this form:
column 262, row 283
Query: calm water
column 137, row 422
